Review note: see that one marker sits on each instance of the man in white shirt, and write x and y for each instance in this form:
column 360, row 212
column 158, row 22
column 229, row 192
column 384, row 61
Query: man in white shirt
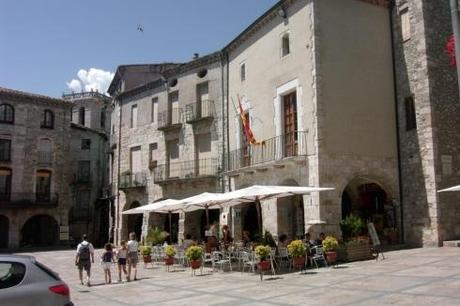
column 84, row 258
column 133, row 258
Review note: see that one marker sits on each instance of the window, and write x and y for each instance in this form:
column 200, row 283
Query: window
column 103, row 118
column 411, row 122
column 134, row 116
column 43, row 184
column 11, row 274
column 153, row 148
column 86, row 144
column 5, row 149
column 154, row 110
column 45, row 151
column 243, row 72
column 84, row 171
column 405, row 23
column 6, row 113
column 5, row 184
column 47, row 120
column 285, row 50
column 81, row 116
column 82, row 200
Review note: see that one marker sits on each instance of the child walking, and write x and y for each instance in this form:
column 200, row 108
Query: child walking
column 107, row 259
column 122, row 254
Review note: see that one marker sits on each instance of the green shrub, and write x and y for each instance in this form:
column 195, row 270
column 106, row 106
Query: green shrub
column 352, row 226
column 330, row 244
column 170, row 251
column 194, row 252
column 297, row 249
column 156, row 236
column 262, row 252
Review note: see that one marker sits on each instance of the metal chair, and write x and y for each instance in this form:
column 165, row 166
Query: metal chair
column 248, row 260
column 283, row 256
column 317, row 255
column 221, row 259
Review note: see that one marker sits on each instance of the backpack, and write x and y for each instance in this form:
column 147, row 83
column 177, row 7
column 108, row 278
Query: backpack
column 84, row 253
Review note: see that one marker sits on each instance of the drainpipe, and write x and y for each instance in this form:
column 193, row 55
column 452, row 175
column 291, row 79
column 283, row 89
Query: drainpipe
column 455, row 14
column 117, row 213
column 224, row 148
column 392, row 8
column 227, row 118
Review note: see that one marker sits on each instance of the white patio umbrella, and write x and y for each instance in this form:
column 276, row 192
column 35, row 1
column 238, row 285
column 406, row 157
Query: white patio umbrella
column 454, row 188
column 149, row 207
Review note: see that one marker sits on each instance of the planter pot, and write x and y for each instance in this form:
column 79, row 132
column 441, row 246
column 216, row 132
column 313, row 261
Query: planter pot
column 195, row 264
column 331, row 256
column 299, row 262
column 147, row 258
column 354, row 252
column 169, row 261
column 264, row 265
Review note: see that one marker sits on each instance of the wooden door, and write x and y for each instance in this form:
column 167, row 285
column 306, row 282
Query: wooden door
column 290, row 124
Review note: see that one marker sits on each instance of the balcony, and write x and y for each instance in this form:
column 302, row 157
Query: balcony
column 170, row 119
column 270, row 150
column 199, row 111
column 135, row 180
column 187, row 170
column 28, row 200
column 45, row 158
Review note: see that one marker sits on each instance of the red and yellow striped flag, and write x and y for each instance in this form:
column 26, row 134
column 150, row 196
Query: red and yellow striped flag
column 246, row 126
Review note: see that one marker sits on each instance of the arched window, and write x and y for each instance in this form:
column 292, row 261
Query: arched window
column 285, row 50
column 48, row 119
column 6, row 113
column 5, row 184
column 81, row 116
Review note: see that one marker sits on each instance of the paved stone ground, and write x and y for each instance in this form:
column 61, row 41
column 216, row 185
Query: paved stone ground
column 429, row 276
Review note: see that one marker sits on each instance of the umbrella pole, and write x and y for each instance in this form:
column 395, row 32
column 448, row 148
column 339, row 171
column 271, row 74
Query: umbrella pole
column 170, row 228
column 259, row 215
column 207, row 216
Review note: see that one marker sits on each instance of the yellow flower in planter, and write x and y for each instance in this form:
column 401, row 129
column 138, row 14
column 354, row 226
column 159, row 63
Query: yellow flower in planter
column 296, row 248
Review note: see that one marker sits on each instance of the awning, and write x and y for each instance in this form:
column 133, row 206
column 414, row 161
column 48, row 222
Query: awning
column 152, row 207
column 454, row 188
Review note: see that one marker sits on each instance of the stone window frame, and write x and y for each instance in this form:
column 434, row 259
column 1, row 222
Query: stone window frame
column 6, row 157
column 7, row 113
column 133, row 124
column 47, row 119
column 404, row 15
column 153, row 114
column 5, row 195
column 243, row 71
column 285, row 49
column 81, row 115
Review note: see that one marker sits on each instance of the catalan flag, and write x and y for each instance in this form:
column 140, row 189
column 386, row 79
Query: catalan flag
column 246, row 126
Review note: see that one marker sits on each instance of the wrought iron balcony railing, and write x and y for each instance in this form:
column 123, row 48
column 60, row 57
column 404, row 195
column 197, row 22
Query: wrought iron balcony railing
column 170, row 119
column 134, row 180
column 45, row 158
column 199, row 111
column 192, row 169
column 12, row 200
column 273, row 149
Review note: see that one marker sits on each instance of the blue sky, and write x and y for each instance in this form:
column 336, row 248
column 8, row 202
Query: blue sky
column 45, row 43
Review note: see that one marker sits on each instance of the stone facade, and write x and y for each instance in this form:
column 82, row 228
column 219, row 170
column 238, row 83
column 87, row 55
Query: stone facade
column 167, row 146
column 35, row 177
column 430, row 151
column 90, row 130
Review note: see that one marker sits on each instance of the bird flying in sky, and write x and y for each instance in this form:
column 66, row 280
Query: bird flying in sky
column 140, row 28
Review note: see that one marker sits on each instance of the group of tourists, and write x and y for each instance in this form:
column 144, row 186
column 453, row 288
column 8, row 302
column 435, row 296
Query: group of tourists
column 124, row 256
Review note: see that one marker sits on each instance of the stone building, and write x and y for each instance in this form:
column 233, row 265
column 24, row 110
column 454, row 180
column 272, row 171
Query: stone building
column 90, row 131
column 35, row 169
column 316, row 83
column 168, row 142
column 428, row 121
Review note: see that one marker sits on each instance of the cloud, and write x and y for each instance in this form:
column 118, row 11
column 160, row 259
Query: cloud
column 92, row 79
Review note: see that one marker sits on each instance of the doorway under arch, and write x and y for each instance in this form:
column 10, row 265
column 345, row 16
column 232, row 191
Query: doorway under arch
column 133, row 222
column 4, row 231
column 290, row 213
column 40, row 231
column 369, row 200
column 250, row 220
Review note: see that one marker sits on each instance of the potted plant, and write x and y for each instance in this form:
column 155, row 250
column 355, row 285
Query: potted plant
column 330, row 245
column 262, row 253
column 297, row 250
column 351, row 227
column 194, row 253
column 170, row 252
column 146, row 252
column 156, row 236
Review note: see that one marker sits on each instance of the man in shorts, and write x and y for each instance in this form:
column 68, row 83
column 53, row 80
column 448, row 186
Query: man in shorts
column 84, row 258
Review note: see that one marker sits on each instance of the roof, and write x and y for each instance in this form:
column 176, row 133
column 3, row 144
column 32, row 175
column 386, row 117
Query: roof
column 32, row 97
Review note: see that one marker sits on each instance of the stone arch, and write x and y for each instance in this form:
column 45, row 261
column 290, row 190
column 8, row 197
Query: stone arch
column 40, row 230
column 4, row 231
column 290, row 213
column 131, row 223
column 370, row 197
